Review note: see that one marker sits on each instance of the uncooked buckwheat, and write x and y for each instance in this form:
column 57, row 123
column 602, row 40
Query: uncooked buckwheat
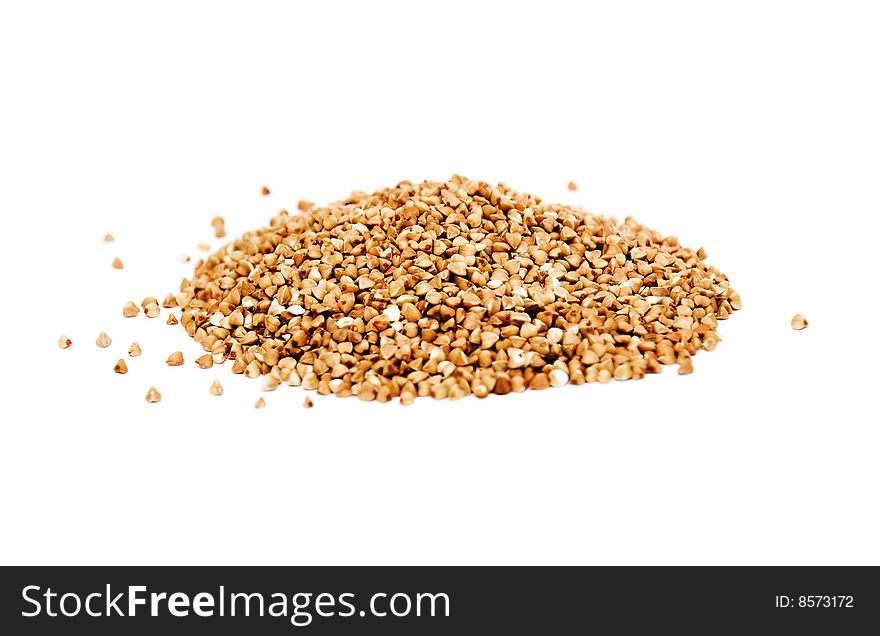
column 446, row 289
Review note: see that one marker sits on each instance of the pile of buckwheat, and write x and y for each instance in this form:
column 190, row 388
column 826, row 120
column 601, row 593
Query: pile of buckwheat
column 446, row 289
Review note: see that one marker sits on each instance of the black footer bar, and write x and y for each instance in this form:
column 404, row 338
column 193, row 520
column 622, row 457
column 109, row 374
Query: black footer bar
column 436, row 600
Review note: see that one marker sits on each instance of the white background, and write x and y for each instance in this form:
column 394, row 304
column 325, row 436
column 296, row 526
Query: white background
column 748, row 128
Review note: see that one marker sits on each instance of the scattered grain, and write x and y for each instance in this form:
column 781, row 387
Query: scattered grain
column 572, row 185
column 130, row 310
column 134, row 350
column 153, row 395
column 206, row 361
column 117, row 263
column 558, row 377
column 265, row 191
column 260, row 403
column 685, row 367
column 108, row 238
column 172, row 320
column 307, row 403
column 175, row 359
column 216, row 388
column 103, row 340
column 219, row 226
column 798, row 322
column 64, row 342
column 539, row 381
column 120, row 367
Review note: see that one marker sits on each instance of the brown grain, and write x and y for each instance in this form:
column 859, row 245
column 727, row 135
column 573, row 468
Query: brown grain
column 447, row 289
column 219, row 226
